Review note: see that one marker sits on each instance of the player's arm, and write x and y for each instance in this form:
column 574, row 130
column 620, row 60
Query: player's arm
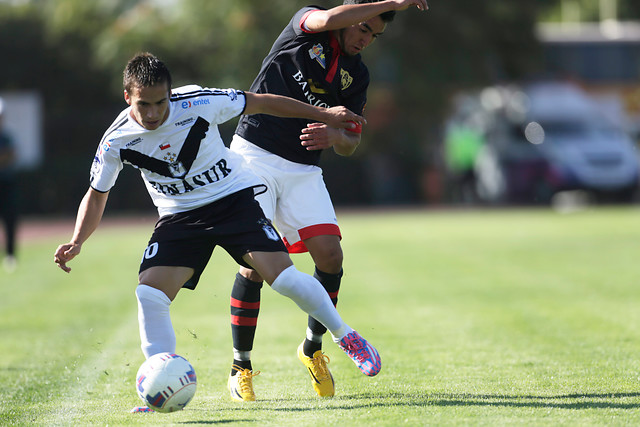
column 282, row 106
column 89, row 215
column 318, row 136
column 350, row 14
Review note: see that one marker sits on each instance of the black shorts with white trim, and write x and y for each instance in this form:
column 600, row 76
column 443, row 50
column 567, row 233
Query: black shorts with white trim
column 187, row 239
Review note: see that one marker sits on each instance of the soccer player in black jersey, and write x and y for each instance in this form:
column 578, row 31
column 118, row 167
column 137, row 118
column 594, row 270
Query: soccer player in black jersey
column 316, row 59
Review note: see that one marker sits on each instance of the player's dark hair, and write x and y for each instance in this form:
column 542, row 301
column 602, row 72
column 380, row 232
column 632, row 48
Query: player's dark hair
column 145, row 70
column 386, row 16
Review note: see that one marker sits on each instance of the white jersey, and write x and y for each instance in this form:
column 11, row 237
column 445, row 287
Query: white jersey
column 184, row 162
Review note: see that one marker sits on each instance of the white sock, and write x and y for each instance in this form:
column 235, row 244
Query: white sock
column 314, row 337
column 156, row 331
column 312, row 298
column 241, row 355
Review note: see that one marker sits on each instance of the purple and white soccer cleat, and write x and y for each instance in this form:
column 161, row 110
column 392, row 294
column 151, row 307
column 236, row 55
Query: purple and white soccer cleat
column 363, row 354
column 141, row 409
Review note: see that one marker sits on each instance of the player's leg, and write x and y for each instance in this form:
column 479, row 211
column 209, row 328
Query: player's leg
column 169, row 263
column 278, row 270
column 245, row 294
column 304, row 215
column 245, row 307
column 8, row 212
column 157, row 288
column 258, row 246
column 327, row 257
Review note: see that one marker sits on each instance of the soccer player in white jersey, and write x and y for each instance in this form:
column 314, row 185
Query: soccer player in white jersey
column 203, row 194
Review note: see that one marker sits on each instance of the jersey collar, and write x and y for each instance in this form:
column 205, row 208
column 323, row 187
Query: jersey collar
column 336, row 53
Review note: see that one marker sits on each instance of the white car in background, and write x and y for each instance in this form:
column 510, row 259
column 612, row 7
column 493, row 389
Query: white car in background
column 551, row 137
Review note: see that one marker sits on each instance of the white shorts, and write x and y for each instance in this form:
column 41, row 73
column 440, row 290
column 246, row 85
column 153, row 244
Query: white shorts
column 296, row 200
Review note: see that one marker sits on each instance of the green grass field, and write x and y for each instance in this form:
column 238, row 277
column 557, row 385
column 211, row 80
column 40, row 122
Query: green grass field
column 525, row 317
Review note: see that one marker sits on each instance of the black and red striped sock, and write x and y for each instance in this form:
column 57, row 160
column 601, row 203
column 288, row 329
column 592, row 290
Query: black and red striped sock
column 331, row 283
column 245, row 307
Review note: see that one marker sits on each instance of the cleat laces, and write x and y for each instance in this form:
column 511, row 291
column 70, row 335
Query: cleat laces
column 364, row 355
column 320, row 370
column 356, row 348
column 245, row 379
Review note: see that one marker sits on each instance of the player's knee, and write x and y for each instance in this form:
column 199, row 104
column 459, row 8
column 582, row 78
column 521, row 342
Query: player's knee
column 250, row 274
column 152, row 295
column 330, row 261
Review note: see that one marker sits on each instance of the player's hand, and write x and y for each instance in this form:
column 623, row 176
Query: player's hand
column 319, row 136
column 342, row 118
column 66, row 253
column 406, row 4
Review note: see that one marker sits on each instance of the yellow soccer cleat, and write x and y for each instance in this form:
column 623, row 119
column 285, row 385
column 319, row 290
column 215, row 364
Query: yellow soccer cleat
column 241, row 385
column 321, row 377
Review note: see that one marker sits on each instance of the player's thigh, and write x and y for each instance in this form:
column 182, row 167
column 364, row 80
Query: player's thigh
column 268, row 264
column 177, row 253
column 168, row 279
column 304, row 201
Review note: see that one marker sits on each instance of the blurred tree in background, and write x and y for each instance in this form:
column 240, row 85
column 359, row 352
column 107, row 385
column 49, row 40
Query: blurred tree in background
column 73, row 53
column 592, row 10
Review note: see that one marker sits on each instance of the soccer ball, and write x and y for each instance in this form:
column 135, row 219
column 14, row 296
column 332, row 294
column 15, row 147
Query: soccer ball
column 166, row 382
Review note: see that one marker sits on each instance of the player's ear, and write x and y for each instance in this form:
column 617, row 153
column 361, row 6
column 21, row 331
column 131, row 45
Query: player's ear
column 126, row 97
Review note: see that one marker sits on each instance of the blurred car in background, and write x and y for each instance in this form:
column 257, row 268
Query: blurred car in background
column 552, row 137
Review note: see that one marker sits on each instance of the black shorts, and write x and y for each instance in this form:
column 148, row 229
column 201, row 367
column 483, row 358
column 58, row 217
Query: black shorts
column 187, row 239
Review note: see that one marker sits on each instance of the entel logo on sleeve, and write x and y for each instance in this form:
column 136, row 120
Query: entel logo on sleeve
column 189, row 104
column 105, row 147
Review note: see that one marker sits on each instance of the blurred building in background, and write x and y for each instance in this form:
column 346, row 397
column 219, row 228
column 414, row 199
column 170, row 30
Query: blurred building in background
column 604, row 58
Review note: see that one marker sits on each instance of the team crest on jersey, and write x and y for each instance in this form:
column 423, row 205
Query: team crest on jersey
column 170, row 157
column 345, row 78
column 317, row 52
column 176, row 168
column 268, row 229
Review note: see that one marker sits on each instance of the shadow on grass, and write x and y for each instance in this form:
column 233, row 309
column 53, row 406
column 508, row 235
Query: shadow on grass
column 219, row 422
column 563, row 401
column 574, row 401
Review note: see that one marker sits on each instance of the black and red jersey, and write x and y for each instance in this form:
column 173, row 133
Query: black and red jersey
column 309, row 67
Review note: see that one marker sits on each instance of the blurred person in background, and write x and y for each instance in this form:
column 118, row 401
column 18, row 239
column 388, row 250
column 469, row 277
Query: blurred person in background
column 462, row 145
column 316, row 59
column 8, row 192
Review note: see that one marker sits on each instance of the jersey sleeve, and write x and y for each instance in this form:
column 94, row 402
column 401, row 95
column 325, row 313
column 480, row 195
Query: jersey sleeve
column 228, row 103
column 105, row 168
column 298, row 20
